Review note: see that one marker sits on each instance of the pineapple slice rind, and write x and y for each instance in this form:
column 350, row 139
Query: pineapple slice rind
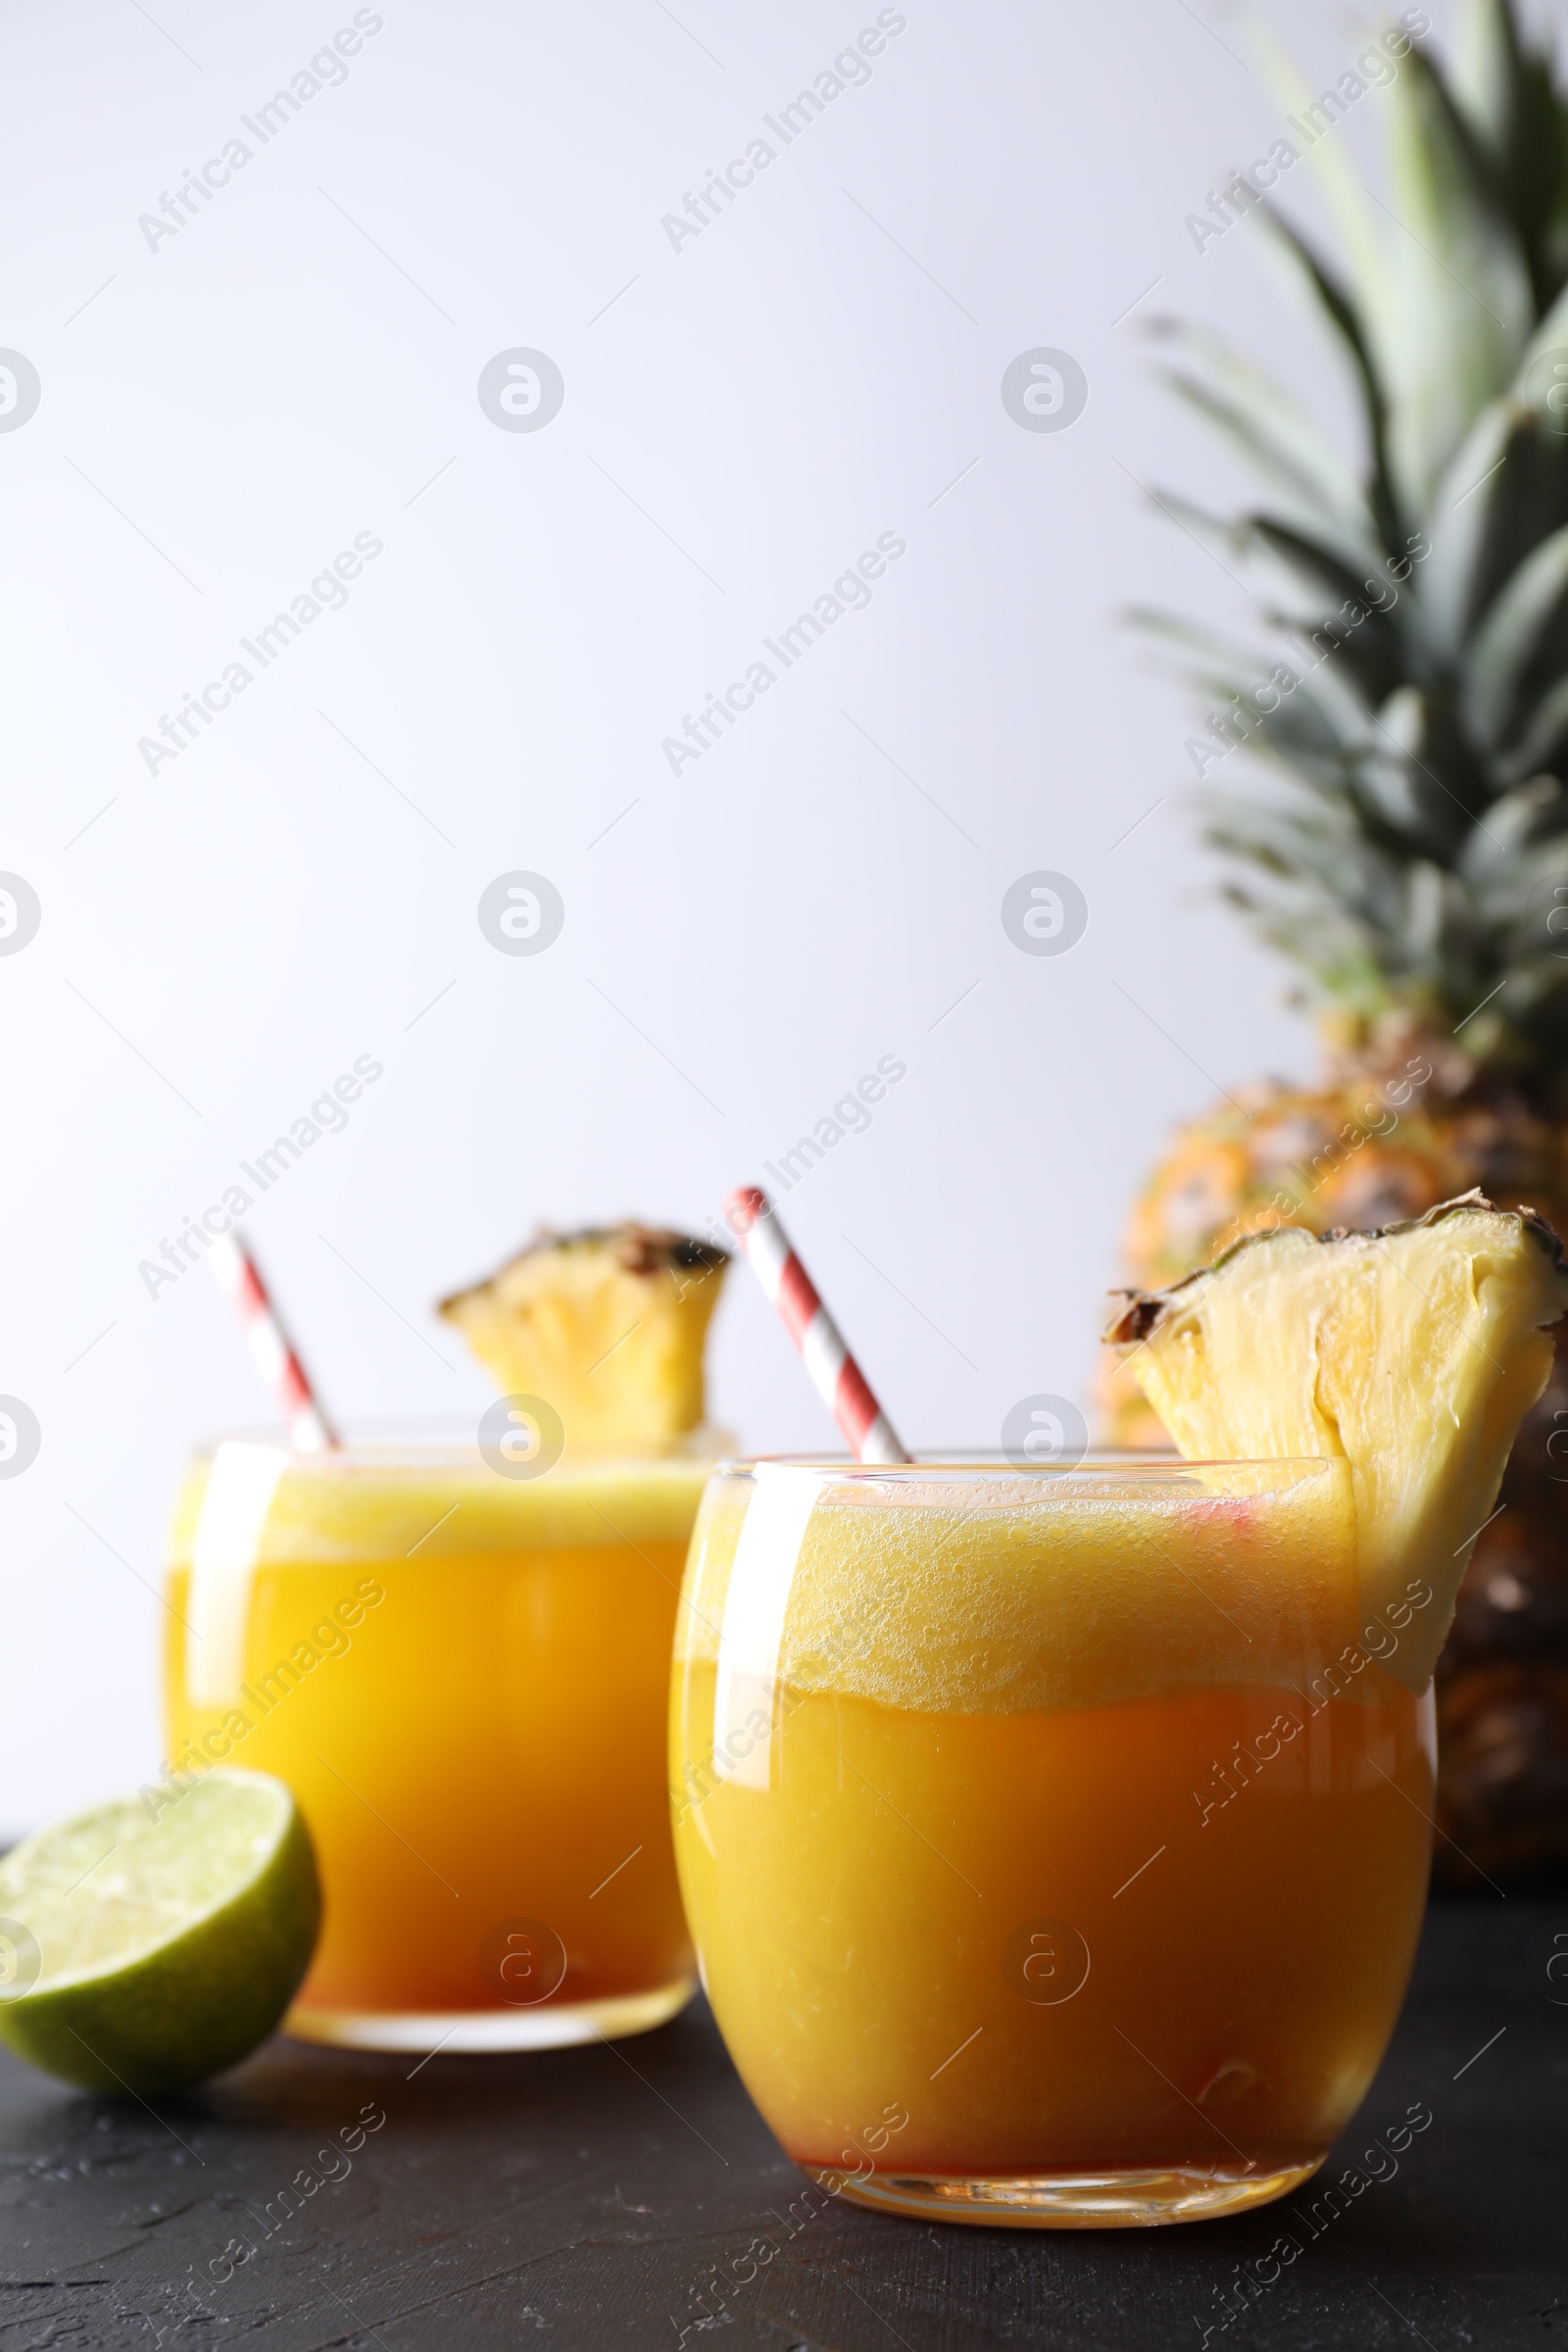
column 1414, row 1352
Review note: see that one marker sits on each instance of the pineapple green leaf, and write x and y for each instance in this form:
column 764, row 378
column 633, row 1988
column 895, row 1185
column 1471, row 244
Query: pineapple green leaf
column 1277, row 411
column 1251, row 430
column 1465, row 518
column 1348, row 198
column 1215, row 535
column 1544, row 738
column 1552, row 333
column 1448, row 186
column 1341, row 311
column 1227, row 653
column 1508, row 100
column 1298, row 736
column 1464, row 307
column 1493, row 848
column 1395, row 766
column 1369, row 642
column 1526, row 501
column 1495, row 659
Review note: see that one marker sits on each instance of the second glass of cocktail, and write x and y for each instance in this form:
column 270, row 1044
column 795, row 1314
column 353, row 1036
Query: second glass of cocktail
column 1046, row 1861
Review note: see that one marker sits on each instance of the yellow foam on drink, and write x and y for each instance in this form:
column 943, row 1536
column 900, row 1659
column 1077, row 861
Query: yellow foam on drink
column 387, row 1500
column 917, row 1595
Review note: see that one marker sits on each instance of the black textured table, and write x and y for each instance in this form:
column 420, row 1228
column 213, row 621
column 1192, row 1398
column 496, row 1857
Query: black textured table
column 621, row 2196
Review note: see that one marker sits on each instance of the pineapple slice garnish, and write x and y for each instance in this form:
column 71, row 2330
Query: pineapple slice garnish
column 1414, row 1352
column 607, row 1326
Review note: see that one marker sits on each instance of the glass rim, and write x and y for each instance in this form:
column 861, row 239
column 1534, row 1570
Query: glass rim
column 986, row 1461
column 418, row 1441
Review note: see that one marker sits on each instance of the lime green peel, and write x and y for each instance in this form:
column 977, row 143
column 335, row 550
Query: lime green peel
column 142, row 1954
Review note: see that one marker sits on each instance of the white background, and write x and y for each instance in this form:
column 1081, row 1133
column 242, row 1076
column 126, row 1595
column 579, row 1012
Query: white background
column 222, row 416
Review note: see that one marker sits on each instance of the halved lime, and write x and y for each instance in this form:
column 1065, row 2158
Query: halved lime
column 141, row 1953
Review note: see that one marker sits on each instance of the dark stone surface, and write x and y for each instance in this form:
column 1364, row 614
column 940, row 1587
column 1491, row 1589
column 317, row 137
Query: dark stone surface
column 586, row 2199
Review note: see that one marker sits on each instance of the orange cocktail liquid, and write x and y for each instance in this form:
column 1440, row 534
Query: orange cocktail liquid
column 1051, row 1831
column 464, row 1680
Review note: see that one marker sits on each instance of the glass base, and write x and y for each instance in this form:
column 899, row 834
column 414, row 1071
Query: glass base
column 552, row 2026
column 1109, row 2200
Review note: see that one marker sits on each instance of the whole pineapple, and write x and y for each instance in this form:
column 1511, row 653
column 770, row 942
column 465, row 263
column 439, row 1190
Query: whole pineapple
column 1410, row 856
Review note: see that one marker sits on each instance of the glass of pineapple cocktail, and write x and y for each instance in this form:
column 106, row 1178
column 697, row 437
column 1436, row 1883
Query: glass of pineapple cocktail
column 463, row 1681
column 1054, row 1841
column 457, row 1655
column 1042, row 1864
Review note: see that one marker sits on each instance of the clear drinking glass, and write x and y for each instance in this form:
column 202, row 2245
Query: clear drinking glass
column 464, row 1676
column 1054, row 1841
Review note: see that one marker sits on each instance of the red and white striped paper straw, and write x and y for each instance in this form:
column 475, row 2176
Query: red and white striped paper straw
column 272, row 1349
column 834, row 1372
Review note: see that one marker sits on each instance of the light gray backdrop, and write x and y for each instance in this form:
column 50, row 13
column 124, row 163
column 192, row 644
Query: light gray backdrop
column 227, row 405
